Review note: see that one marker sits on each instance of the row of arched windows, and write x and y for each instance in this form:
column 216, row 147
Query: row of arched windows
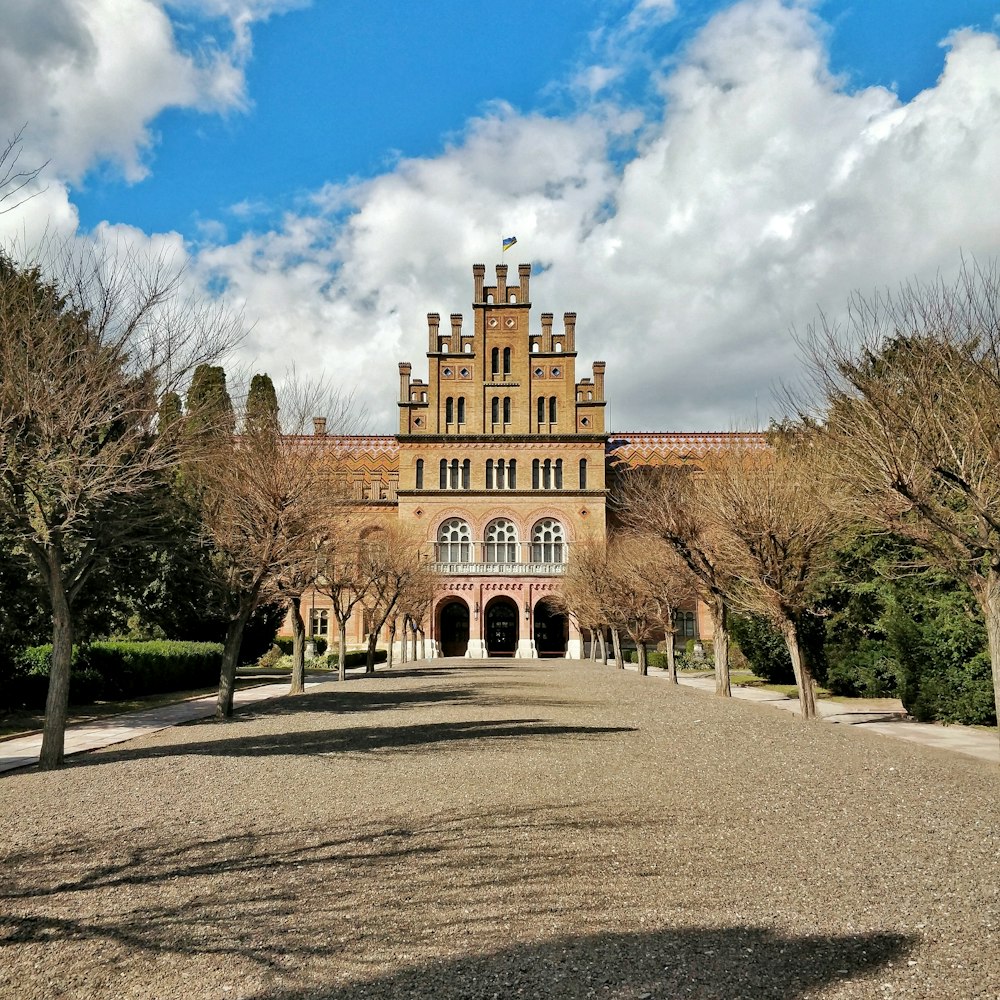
column 551, row 408
column 495, row 361
column 548, row 542
column 451, row 410
column 501, row 474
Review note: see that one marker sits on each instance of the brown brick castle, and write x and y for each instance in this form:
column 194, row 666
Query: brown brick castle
column 503, row 458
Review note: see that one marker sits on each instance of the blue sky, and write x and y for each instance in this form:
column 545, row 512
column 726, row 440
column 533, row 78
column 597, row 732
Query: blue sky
column 725, row 168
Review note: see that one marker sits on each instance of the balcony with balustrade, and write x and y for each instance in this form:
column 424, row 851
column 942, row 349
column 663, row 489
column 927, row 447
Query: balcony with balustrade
column 485, row 558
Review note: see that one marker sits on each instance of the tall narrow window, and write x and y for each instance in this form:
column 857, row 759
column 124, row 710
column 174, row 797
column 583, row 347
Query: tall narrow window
column 466, row 474
column 501, row 468
column 552, row 409
column 495, row 409
column 449, row 410
column 495, row 360
column 558, row 474
column 454, row 474
column 420, row 473
column 443, row 485
column 541, row 410
column 547, row 474
column 506, row 409
column 512, row 474
column 506, row 361
column 489, row 473
column 461, row 409
column 535, row 465
column 583, row 473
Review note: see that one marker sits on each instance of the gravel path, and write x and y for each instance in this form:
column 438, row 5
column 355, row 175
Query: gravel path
column 499, row 829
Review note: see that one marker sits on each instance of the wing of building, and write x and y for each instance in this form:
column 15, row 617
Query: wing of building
column 503, row 460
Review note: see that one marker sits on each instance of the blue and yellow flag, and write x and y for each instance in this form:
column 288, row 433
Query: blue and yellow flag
column 508, row 242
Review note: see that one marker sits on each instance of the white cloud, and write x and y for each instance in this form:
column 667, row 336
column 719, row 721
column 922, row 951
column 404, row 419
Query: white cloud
column 765, row 191
column 762, row 191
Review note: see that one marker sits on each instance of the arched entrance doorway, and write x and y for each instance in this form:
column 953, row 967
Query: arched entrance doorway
column 453, row 628
column 501, row 627
column 551, row 630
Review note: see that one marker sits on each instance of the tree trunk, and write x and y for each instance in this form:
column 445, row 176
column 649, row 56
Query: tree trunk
column 230, row 659
column 800, row 667
column 423, row 644
column 298, row 681
column 988, row 592
column 603, row 640
column 720, row 625
column 403, row 643
column 370, row 659
column 616, row 642
column 643, row 668
column 593, row 645
column 342, row 650
column 57, row 698
column 392, row 640
column 671, row 659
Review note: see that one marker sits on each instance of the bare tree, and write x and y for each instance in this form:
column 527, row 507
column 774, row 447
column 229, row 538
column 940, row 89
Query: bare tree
column 587, row 594
column 343, row 574
column 907, row 389
column 631, row 601
column 776, row 519
column 667, row 502
column 89, row 340
column 15, row 178
column 265, row 498
column 398, row 572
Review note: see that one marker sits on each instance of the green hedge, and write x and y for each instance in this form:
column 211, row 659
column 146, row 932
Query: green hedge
column 108, row 671
column 284, row 643
column 356, row 658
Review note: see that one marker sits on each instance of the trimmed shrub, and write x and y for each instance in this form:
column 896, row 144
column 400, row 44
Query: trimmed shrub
column 105, row 671
column 355, row 658
column 285, row 642
column 657, row 660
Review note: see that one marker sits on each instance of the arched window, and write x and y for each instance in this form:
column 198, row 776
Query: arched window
column 506, row 361
column 541, row 410
column 535, row 468
column 552, row 409
column 557, row 483
column 506, row 409
column 319, row 622
column 547, row 542
column 513, row 296
column 453, row 477
column 547, row 474
column 583, row 473
column 495, row 409
column 454, row 541
column 495, row 360
column 449, row 410
column 535, row 348
column 461, row 409
column 501, row 469
column 443, row 484
column 501, row 541
column 467, row 348
column 512, row 474
column 466, row 474
column 423, row 397
column 559, row 347
column 489, row 473
column 420, row 473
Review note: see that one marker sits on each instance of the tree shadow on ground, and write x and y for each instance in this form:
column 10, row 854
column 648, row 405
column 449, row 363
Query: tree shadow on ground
column 725, row 963
column 360, row 739
column 343, row 701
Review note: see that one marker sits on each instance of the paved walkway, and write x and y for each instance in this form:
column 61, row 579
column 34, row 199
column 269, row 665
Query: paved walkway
column 23, row 751
column 884, row 716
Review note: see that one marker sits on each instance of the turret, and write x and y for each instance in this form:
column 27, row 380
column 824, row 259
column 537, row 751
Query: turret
column 478, row 277
column 524, row 273
column 569, row 331
column 599, row 367
column 433, row 325
column 405, row 368
column 501, row 282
